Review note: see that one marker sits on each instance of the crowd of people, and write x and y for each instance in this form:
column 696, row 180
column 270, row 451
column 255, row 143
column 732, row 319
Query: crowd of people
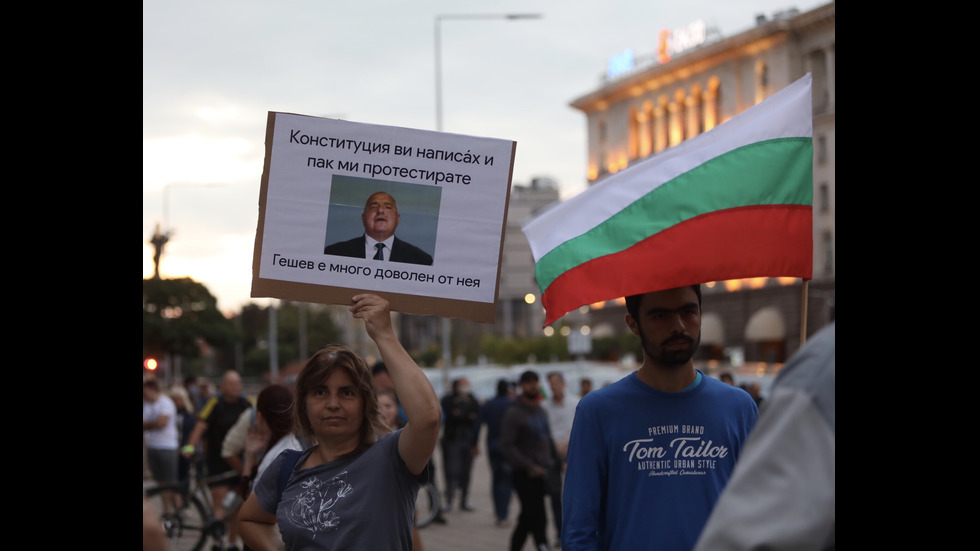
column 335, row 459
column 355, row 462
column 232, row 434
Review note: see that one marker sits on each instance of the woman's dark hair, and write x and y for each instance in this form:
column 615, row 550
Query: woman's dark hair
column 275, row 403
column 317, row 369
column 633, row 301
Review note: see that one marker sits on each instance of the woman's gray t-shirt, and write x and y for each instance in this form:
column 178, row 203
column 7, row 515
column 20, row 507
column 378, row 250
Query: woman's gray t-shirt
column 361, row 502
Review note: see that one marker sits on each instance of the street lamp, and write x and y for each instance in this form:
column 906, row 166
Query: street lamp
column 161, row 236
column 439, row 19
column 447, row 354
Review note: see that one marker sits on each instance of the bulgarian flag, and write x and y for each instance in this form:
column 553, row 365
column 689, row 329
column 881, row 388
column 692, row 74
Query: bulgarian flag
column 733, row 202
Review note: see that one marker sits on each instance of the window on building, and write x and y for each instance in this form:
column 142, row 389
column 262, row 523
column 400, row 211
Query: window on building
column 817, row 61
column 822, row 149
column 634, row 134
column 662, row 125
column 651, row 129
column 712, row 104
column 678, row 118
column 824, row 197
column 771, row 352
column 828, row 252
column 761, row 81
column 603, row 149
column 695, row 113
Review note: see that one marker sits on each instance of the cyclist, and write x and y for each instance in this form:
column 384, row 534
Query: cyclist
column 213, row 422
column 160, row 433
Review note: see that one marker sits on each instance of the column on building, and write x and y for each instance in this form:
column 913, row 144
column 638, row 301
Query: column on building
column 661, row 121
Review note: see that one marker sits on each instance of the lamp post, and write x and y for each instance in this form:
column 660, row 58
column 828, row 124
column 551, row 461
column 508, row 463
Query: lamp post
column 438, row 43
column 447, row 354
column 161, row 236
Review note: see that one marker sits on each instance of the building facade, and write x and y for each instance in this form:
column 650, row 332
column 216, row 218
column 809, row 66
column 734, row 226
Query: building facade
column 647, row 108
column 634, row 115
column 519, row 312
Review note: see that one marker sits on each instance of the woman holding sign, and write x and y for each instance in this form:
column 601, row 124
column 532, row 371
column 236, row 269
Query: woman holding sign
column 352, row 489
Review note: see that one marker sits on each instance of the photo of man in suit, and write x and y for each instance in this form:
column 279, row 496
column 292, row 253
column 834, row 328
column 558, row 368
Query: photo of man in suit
column 380, row 218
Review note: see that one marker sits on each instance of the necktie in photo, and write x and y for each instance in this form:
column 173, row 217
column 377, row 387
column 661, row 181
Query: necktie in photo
column 378, row 255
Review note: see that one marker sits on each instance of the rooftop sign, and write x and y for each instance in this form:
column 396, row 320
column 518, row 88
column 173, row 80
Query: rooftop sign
column 669, row 43
column 620, row 63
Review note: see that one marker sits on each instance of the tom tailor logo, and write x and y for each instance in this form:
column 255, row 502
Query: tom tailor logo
column 685, row 447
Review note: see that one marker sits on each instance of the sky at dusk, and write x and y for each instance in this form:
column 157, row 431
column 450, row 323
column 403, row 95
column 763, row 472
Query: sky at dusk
column 213, row 70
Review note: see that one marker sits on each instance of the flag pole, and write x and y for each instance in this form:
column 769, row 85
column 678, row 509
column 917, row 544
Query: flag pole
column 806, row 288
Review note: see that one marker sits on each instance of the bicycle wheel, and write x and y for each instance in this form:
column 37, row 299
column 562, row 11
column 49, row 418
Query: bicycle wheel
column 192, row 526
column 427, row 505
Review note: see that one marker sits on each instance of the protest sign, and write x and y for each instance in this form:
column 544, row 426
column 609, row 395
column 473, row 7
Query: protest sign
column 449, row 194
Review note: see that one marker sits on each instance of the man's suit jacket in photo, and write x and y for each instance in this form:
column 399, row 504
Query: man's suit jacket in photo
column 401, row 251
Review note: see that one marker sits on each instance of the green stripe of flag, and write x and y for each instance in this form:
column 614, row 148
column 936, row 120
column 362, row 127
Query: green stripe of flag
column 755, row 174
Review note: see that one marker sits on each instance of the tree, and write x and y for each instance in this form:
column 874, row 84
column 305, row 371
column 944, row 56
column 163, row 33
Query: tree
column 181, row 318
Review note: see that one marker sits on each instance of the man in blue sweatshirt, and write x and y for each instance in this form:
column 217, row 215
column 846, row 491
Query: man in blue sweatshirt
column 650, row 454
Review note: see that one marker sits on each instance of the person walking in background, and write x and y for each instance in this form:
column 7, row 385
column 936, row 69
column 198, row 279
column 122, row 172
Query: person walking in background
column 270, row 434
column 385, row 386
column 783, row 493
column 526, row 442
column 162, row 441
column 185, row 426
column 213, row 422
column 382, row 380
column 355, row 488
column 584, row 386
column 560, row 408
column 233, row 445
column 754, row 388
column 391, row 412
column 194, row 390
column 650, row 454
column 492, row 414
column 459, row 440
column 390, row 408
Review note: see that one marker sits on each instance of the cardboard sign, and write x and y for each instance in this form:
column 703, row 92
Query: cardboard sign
column 450, row 192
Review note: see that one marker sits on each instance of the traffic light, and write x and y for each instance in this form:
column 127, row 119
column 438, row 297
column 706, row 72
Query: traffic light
column 150, row 364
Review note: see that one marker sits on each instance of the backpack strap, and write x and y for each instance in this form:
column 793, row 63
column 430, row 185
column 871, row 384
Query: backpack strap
column 286, row 467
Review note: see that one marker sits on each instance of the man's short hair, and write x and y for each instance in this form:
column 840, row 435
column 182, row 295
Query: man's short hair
column 529, row 376
column 551, row 374
column 379, row 367
column 633, row 301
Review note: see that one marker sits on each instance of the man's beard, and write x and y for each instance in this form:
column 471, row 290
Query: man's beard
column 670, row 358
column 532, row 395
